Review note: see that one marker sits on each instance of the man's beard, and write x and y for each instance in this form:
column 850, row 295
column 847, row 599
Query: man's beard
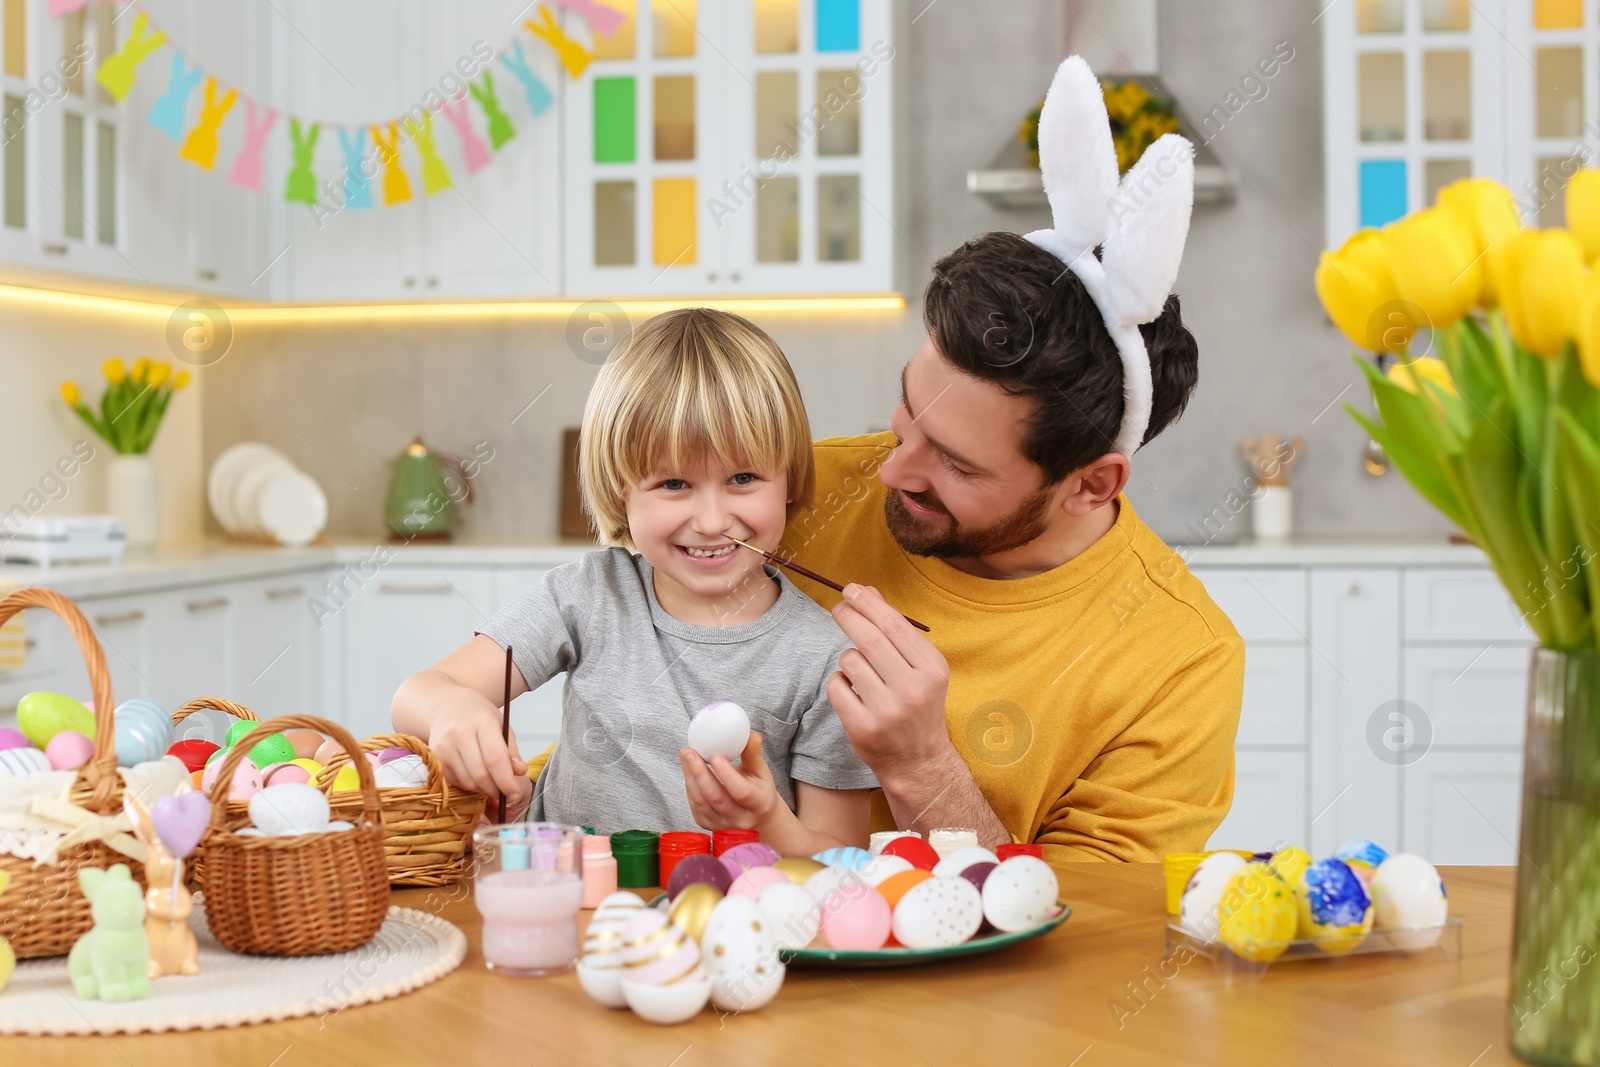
column 942, row 537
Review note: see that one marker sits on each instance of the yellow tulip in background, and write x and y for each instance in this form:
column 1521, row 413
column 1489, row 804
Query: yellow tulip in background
column 1356, row 287
column 133, row 405
column 1501, row 431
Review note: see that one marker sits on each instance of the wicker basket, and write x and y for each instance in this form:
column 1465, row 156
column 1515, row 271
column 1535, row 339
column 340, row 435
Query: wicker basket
column 238, row 811
column 427, row 829
column 47, row 911
column 295, row 896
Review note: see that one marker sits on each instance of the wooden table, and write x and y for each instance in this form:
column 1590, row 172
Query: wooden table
column 1090, row 994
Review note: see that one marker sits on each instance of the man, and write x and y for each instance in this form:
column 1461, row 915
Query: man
column 1078, row 687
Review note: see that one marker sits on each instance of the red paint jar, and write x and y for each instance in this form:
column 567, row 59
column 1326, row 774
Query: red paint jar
column 723, row 840
column 1026, row 848
column 674, row 846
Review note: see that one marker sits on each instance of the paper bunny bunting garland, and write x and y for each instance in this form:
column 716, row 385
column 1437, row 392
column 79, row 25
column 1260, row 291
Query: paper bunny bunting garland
column 1139, row 224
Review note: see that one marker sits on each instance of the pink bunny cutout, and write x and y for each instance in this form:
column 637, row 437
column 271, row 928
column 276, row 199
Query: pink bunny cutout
column 474, row 153
column 247, row 164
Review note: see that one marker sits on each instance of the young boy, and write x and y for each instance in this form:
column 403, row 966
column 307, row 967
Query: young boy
column 694, row 429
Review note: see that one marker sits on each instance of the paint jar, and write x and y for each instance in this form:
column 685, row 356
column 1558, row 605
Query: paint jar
column 676, row 845
column 599, row 869
column 638, row 866
column 723, row 840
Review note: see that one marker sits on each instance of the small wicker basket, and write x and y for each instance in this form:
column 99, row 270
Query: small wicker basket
column 295, row 896
column 427, row 829
column 46, row 912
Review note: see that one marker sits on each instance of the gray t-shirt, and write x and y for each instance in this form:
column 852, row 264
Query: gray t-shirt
column 636, row 675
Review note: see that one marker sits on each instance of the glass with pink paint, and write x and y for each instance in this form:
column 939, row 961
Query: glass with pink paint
column 528, row 889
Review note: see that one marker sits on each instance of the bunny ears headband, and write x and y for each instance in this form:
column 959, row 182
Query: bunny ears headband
column 1139, row 224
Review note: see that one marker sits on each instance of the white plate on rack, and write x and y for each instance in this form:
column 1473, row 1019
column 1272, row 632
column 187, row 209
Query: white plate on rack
column 219, row 483
column 247, row 485
column 292, row 508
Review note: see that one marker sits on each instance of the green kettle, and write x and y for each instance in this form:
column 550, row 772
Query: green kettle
column 421, row 502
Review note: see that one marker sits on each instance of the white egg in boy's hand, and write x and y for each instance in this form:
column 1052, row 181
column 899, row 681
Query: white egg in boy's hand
column 721, row 728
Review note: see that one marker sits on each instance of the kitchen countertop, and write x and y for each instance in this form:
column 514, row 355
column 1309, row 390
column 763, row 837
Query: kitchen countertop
column 206, row 562
column 1096, row 991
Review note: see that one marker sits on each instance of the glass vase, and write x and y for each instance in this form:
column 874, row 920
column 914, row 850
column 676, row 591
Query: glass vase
column 1554, row 1013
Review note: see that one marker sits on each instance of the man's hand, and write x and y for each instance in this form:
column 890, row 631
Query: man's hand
column 890, row 689
column 725, row 797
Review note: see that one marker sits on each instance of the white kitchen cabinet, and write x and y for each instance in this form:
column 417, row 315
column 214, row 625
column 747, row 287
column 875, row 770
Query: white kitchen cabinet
column 194, row 642
column 1269, row 806
column 403, row 620
column 128, row 632
column 1464, row 807
column 535, row 716
column 276, row 650
column 1355, row 673
column 733, row 148
column 1472, row 696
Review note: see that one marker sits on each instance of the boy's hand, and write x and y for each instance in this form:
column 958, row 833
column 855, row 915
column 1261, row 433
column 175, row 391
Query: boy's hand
column 725, row 797
column 468, row 744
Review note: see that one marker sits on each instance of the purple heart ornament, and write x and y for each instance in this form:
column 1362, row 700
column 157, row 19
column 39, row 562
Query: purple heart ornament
column 180, row 821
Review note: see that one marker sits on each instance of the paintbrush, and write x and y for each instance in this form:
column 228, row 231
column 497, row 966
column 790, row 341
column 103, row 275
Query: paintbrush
column 505, row 727
column 813, row 575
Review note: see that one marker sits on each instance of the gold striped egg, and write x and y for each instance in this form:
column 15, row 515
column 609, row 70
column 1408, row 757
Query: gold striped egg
column 655, row 952
column 798, row 868
column 692, row 910
column 602, row 941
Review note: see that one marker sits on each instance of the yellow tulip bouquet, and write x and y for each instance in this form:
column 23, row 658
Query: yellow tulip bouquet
column 133, row 404
column 1498, row 426
column 1500, row 430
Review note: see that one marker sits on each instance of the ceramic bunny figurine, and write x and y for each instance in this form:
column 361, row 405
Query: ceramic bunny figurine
column 167, row 903
column 108, row 962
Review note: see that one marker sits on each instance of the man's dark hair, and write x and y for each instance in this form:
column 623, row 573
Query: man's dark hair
column 1004, row 310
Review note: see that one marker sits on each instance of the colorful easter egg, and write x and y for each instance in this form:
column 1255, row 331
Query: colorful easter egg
column 1289, row 864
column 602, row 940
column 938, row 912
column 848, row 857
column 741, row 858
column 883, row 867
column 23, row 761
column 246, row 779
column 798, row 868
column 304, row 742
column 385, row 755
column 918, row 851
column 193, row 752
column 274, row 748
column 1020, row 893
column 42, row 714
column 347, row 780
column 752, row 882
column 793, row 915
column 1334, row 906
column 692, row 908
column 1203, row 893
column 655, row 952
column 143, row 731
column 962, row 858
column 853, row 920
column 740, row 955
column 289, row 810
column 10, row 738
column 721, row 728
column 402, row 772
column 284, row 774
column 69, row 750
column 1257, row 914
column 327, row 751
column 1409, row 901
column 893, row 888
column 1361, row 853
column 695, row 869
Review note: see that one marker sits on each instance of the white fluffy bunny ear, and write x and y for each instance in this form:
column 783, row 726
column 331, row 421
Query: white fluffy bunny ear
column 1077, row 161
column 1149, row 222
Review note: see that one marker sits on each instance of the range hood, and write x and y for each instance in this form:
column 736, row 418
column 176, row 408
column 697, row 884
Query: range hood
column 1118, row 40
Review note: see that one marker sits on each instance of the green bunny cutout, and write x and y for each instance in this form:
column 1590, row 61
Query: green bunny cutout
column 302, row 184
column 500, row 129
column 109, row 962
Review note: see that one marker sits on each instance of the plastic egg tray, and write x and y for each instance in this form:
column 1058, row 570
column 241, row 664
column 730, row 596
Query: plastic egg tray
column 1182, row 941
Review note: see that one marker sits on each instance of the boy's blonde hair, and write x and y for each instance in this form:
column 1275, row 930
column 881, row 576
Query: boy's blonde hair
column 688, row 384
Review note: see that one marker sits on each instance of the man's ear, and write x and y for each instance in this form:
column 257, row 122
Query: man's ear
column 1095, row 484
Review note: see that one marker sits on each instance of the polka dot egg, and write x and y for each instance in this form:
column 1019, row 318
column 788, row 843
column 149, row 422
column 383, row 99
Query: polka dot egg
column 655, row 952
column 937, row 912
column 740, row 956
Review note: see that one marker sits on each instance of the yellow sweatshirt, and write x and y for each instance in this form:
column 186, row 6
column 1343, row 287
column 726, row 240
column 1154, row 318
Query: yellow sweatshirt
column 1096, row 704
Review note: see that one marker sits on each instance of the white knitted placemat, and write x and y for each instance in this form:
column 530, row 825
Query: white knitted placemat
column 411, row 949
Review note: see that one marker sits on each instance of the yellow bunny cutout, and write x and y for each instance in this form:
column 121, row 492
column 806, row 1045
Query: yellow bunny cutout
column 201, row 146
column 396, row 186
column 119, row 70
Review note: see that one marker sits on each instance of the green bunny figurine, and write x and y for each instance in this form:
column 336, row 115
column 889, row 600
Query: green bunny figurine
column 109, row 962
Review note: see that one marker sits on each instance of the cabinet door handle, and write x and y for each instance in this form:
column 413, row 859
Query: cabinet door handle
column 1355, row 589
column 206, row 274
column 50, row 248
column 207, row 605
column 415, row 587
column 411, row 283
column 114, row 620
column 433, row 283
column 285, row 591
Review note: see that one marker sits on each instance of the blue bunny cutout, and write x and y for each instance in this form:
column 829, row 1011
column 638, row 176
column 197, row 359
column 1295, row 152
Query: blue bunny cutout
column 357, row 190
column 538, row 94
column 171, row 113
